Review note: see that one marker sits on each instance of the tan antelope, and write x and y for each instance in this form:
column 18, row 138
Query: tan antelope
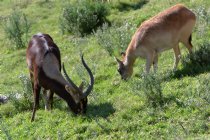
column 44, row 63
column 161, row 32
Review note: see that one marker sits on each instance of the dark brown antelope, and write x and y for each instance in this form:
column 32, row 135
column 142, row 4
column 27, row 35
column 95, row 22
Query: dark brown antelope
column 44, row 63
column 162, row 32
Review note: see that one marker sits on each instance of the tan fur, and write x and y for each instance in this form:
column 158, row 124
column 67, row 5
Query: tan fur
column 161, row 32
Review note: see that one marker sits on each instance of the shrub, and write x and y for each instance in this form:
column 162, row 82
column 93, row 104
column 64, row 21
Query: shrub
column 198, row 60
column 150, row 85
column 153, row 90
column 23, row 100
column 115, row 39
column 202, row 23
column 17, row 28
column 83, row 17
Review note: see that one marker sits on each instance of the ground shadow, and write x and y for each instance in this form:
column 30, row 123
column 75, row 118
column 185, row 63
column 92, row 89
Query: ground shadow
column 103, row 110
column 193, row 71
column 100, row 110
column 186, row 72
column 46, row 3
column 193, row 64
column 190, row 70
column 126, row 6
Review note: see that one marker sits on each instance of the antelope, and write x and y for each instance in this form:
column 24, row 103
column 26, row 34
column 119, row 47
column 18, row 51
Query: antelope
column 44, row 63
column 161, row 32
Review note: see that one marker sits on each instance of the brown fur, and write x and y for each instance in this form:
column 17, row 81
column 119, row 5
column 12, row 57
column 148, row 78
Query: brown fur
column 44, row 63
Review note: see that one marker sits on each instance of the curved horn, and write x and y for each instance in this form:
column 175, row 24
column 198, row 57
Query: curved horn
column 68, row 79
column 90, row 87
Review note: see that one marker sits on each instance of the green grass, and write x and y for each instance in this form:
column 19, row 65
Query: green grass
column 116, row 109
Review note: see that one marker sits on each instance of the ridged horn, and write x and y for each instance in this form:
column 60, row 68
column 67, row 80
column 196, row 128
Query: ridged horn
column 69, row 80
column 90, row 87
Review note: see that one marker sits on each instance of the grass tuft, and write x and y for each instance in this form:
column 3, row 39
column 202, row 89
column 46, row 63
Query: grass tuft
column 17, row 28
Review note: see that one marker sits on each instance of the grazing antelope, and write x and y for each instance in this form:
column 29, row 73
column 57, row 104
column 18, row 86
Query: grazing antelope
column 162, row 32
column 44, row 63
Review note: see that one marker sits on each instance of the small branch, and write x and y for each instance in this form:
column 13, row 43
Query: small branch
column 185, row 131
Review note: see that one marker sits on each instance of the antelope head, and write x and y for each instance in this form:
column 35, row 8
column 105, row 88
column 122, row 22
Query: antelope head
column 124, row 69
column 78, row 93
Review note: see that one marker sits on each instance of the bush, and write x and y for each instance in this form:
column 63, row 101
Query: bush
column 83, row 17
column 203, row 21
column 115, row 39
column 17, row 28
column 151, row 87
column 198, row 60
column 23, row 100
column 153, row 90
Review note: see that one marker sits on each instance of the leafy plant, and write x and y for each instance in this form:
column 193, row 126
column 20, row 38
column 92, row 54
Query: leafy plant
column 23, row 100
column 198, row 61
column 83, row 17
column 150, row 85
column 116, row 38
column 203, row 22
column 17, row 28
column 4, row 129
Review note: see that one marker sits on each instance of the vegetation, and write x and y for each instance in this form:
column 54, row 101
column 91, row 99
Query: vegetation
column 166, row 105
column 119, row 39
column 82, row 17
column 16, row 28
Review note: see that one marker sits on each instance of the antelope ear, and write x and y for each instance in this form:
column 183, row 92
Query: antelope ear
column 123, row 54
column 81, row 86
column 73, row 93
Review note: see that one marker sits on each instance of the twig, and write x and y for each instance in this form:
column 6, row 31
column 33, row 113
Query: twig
column 185, row 131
